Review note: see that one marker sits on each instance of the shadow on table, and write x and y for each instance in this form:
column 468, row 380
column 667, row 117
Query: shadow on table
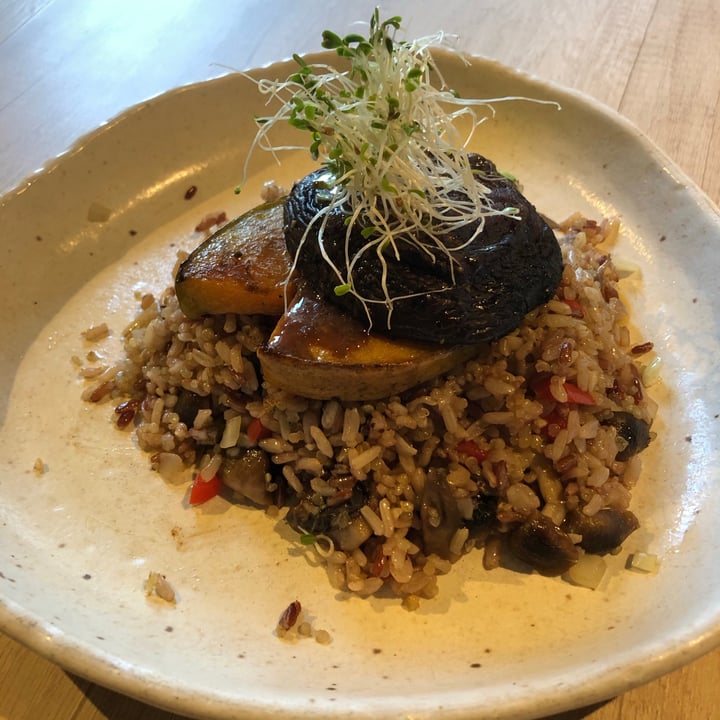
column 114, row 706
column 577, row 714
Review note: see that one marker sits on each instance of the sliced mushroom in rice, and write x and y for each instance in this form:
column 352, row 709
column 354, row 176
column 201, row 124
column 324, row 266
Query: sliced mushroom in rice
column 543, row 545
column 248, row 475
column 602, row 532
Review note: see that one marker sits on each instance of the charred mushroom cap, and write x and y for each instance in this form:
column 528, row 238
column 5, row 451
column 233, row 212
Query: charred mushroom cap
column 633, row 434
column 439, row 514
column 513, row 266
column 543, row 545
column 247, row 474
column 602, row 532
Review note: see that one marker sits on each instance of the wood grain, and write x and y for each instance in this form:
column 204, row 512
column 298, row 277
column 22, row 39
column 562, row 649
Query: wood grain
column 681, row 112
column 656, row 61
column 32, row 688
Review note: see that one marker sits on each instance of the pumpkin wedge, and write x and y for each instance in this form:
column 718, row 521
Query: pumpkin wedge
column 242, row 268
column 319, row 352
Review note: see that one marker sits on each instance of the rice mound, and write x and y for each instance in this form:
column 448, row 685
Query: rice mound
column 390, row 493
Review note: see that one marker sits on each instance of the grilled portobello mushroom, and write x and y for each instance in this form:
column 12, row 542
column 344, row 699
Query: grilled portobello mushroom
column 511, row 267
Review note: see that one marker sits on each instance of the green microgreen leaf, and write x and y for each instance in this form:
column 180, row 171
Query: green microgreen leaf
column 411, row 128
column 330, row 40
column 315, row 145
column 393, row 108
column 343, row 289
column 388, row 186
column 354, row 38
column 302, row 63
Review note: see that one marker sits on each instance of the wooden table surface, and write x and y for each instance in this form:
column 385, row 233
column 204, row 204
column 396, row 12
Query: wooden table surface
column 69, row 65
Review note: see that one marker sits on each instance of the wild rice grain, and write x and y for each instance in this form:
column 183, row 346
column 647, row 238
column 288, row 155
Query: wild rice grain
column 96, row 332
column 359, row 462
column 290, row 615
column 457, row 544
column 231, row 434
column 386, row 517
column 373, row 520
column 351, row 427
column 292, row 479
column 323, row 444
column 209, row 467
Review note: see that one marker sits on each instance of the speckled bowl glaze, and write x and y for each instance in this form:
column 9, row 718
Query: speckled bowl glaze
column 79, row 533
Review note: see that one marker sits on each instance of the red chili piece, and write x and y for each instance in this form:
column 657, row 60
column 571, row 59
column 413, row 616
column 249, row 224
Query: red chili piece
column 203, row 490
column 540, row 384
column 576, row 309
column 471, row 448
column 257, row 431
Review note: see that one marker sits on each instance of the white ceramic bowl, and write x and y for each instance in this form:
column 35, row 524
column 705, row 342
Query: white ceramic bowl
column 77, row 540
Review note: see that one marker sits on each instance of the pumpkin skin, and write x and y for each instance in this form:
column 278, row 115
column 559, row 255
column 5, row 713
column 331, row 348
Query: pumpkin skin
column 241, row 268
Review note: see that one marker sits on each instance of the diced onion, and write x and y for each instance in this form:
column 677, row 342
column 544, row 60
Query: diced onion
column 624, row 267
column 651, row 372
column 644, row 562
column 588, row 571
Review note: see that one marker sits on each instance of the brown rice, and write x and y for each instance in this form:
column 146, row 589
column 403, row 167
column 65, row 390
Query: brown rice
column 482, row 433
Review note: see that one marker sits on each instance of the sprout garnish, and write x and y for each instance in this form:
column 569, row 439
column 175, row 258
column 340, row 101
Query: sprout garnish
column 397, row 163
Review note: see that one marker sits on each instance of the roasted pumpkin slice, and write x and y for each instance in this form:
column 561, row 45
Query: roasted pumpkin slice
column 319, row 352
column 242, row 268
